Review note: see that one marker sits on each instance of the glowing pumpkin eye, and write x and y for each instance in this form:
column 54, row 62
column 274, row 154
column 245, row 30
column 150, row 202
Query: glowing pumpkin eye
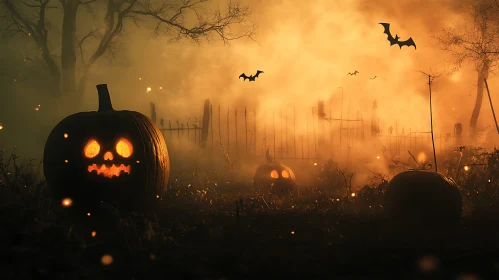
column 274, row 174
column 285, row 174
column 92, row 149
column 124, row 148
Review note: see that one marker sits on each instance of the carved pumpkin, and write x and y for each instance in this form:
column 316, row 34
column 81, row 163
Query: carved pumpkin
column 119, row 157
column 423, row 201
column 274, row 177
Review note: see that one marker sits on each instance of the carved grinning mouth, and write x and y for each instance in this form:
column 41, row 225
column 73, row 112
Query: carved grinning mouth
column 110, row 171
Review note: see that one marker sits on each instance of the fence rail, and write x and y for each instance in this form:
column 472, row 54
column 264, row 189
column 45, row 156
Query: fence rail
column 238, row 132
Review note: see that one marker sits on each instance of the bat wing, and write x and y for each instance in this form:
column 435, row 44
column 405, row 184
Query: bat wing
column 243, row 76
column 258, row 72
column 409, row 42
column 386, row 27
column 349, row 74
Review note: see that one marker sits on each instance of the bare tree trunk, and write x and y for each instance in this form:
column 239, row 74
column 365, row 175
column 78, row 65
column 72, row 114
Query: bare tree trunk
column 68, row 47
column 483, row 73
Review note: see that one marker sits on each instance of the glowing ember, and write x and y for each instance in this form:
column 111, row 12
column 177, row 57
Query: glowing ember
column 353, row 194
column 160, row 87
column 109, row 172
column 377, row 157
column 94, row 233
column 489, row 180
column 292, row 232
column 66, row 135
column 36, row 109
column 466, row 168
column 140, row 79
column 149, row 89
column 157, row 196
column 88, row 214
column 455, row 76
column 138, row 161
column 67, row 202
column 66, row 161
column 106, row 259
column 422, row 157
column 428, row 263
column 1, row 127
column 315, row 163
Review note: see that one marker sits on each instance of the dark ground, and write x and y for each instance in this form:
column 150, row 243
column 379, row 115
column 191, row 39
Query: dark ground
column 232, row 232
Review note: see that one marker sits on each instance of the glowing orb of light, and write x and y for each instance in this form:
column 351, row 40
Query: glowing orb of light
column 455, row 77
column 67, row 202
column 149, row 89
column 466, row 168
column 106, row 259
column 353, row 194
column 422, row 157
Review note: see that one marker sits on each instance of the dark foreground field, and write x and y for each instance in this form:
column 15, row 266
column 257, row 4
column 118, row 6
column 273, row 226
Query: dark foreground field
column 233, row 232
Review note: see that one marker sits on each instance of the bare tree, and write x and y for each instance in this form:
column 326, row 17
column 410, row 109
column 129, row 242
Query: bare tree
column 477, row 39
column 177, row 18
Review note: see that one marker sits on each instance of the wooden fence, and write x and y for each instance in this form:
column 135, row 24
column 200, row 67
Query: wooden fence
column 240, row 133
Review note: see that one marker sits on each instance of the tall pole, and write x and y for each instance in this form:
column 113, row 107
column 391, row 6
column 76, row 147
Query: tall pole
column 492, row 107
column 430, row 80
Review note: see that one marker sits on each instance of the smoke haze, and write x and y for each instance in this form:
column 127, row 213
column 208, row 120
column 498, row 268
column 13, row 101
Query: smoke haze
column 305, row 48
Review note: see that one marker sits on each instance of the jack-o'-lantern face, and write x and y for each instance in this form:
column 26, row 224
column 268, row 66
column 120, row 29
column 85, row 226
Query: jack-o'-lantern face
column 274, row 174
column 112, row 159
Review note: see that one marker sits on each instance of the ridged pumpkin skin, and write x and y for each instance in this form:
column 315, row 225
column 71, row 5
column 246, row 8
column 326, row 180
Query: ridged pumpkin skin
column 427, row 200
column 66, row 167
column 279, row 185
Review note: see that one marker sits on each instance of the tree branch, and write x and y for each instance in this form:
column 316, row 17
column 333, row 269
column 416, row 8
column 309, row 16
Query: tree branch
column 111, row 30
column 217, row 23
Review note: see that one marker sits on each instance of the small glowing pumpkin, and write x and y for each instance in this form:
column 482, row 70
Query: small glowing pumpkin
column 276, row 178
column 119, row 157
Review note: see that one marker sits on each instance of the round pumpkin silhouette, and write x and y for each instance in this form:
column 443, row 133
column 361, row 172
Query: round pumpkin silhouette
column 118, row 157
column 274, row 177
column 423, row 201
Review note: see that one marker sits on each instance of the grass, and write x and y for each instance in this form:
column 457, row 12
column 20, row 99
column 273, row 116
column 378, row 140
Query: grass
column 210, row 227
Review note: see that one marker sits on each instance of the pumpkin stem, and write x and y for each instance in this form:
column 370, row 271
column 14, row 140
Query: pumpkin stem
column 104, row 98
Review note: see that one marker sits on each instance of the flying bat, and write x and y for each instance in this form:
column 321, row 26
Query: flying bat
column 409, row 42
column 251, row 78
column 373, row 78
column 354, row 73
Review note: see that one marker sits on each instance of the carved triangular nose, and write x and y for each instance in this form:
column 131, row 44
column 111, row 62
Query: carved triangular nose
column 108, row 156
